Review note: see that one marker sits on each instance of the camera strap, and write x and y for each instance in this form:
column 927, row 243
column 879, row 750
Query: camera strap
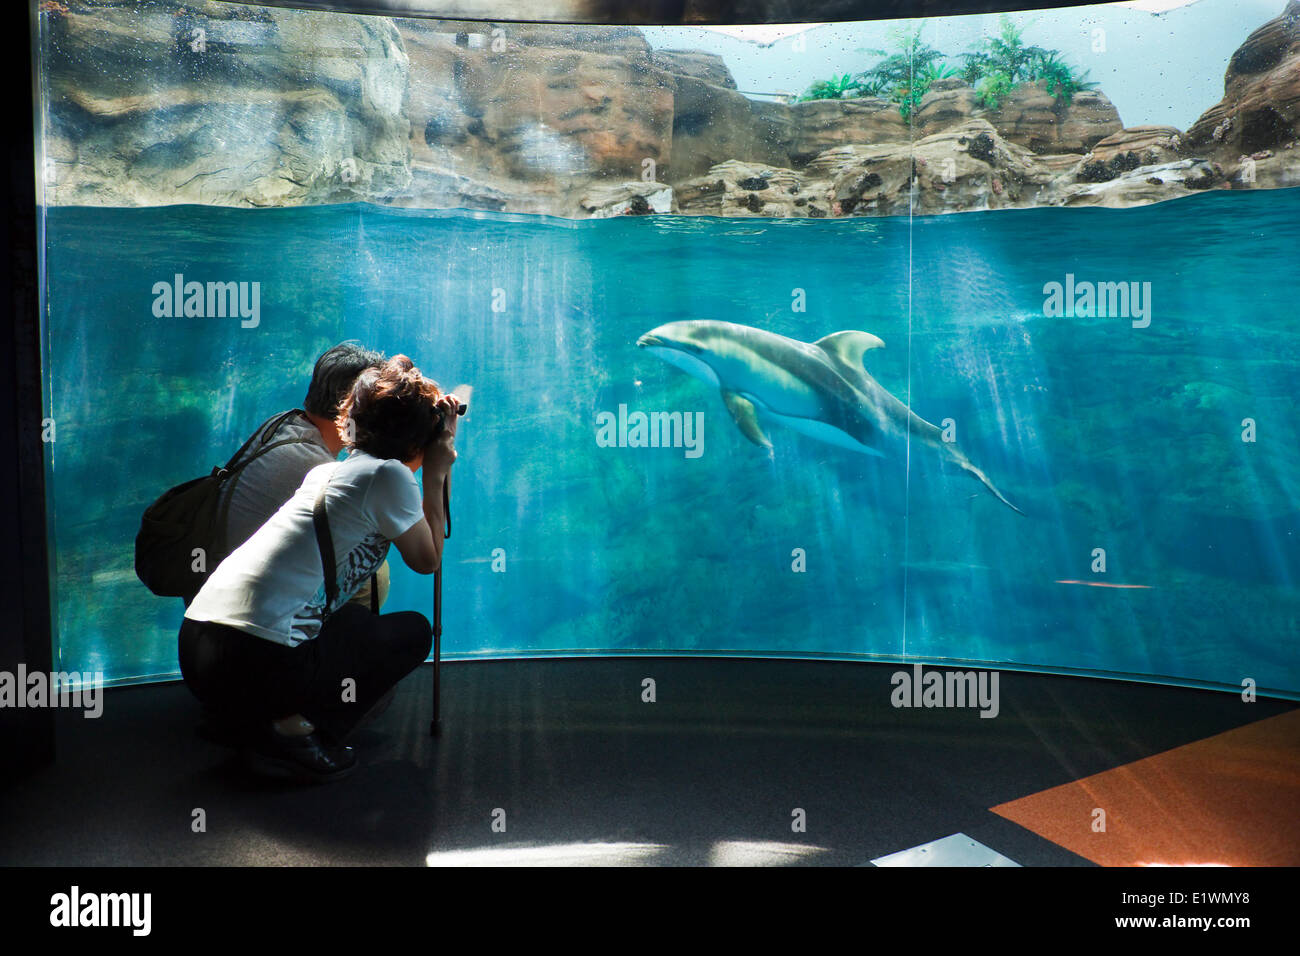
column 446, row 504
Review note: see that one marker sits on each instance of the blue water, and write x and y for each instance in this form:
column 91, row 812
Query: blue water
column 1108, row 436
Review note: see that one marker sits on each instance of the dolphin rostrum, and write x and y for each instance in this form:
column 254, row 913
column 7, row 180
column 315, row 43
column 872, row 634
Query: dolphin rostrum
column 821, row 389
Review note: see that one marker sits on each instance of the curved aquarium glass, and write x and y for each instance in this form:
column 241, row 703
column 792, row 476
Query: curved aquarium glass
column 1056, row 429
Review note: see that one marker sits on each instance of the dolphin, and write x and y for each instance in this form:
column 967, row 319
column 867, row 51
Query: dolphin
column 821, row 389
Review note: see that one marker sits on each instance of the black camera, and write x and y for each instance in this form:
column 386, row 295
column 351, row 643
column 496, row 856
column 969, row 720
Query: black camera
column 439, row 416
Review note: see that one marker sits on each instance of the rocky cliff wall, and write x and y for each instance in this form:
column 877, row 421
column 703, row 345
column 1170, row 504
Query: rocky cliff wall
column 159, row 103
column 1252, row 132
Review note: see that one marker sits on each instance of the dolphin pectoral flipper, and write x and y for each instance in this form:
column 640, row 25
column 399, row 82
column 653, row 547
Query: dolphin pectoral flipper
column 746, row 417
column 849, row 347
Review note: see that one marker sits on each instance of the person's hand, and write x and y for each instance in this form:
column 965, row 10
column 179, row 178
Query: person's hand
column 440, row 453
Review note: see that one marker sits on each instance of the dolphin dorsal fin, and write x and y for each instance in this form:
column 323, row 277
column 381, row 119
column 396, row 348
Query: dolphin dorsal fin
column 849, row 347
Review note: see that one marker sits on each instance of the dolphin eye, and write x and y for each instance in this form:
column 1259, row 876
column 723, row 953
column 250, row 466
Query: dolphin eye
column 691, row 347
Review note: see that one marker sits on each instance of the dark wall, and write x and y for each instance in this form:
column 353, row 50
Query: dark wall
column 673, row 11
column 26, row 736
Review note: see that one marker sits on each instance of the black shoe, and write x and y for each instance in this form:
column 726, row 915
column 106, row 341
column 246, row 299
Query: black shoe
column 304, row 758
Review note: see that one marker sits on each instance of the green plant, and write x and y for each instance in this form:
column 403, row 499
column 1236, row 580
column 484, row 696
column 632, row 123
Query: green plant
column 1062, row 81
column 935, row 71
column 911, row 66
column 873, row 86
column 993, row 89
column 1005, row 53
column 909, row 58
column 836, row 88
column 1005, row 61
column 905, row 74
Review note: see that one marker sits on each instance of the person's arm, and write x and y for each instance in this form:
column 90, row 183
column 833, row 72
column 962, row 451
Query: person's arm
column 421, row 545
column 432, row 480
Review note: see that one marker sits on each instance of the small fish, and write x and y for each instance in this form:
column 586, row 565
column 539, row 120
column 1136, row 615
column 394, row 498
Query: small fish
column 1105, row 584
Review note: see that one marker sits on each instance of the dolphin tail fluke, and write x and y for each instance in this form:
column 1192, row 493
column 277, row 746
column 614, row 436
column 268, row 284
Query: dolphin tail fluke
column 984, row 479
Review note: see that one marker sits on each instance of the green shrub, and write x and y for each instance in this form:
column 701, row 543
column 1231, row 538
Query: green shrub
column 905, row 74
column 1005, row 54
column 1062, row 81
column 836, row 88
column 995, row 69
column 993, row 89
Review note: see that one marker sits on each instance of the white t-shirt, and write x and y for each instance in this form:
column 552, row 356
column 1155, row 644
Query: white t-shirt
column 273, row 585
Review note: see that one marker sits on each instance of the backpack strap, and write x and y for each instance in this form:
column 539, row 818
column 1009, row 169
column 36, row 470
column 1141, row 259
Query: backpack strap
column 229, row 475
column 325, row 541
column 278, row 420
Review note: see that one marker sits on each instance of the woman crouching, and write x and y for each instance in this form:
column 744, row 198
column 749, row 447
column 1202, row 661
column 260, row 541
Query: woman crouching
column 275, row 648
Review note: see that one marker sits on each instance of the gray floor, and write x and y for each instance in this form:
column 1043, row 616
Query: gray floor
column 586, row 772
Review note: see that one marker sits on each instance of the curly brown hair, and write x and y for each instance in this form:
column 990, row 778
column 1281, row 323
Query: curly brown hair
column 390, row 410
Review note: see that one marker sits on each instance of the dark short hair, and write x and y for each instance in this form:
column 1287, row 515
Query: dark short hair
column 391, row 410
column 332, row 378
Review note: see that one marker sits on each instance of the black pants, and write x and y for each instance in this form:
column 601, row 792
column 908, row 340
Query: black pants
column 248, row 679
